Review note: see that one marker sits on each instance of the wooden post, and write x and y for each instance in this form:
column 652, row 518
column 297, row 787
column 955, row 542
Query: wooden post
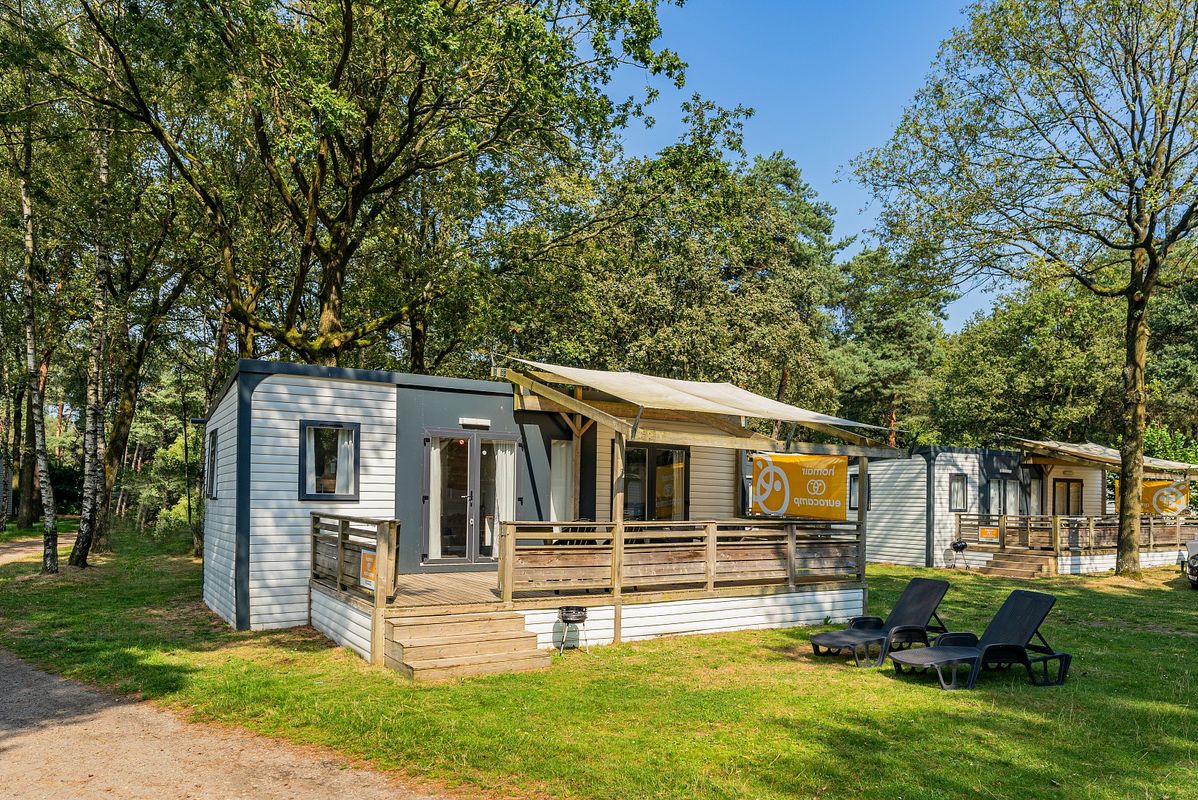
column 712, row 552
column 1090, row 533
column 1002, row 531
column 577, row 431
column 313, row 530
column 507, row 561
column 862, row 504
column 382, row 590
column 342, row 538
column 791, row 555
column 1056, row 534
column 1151, row 533
column 617, row 542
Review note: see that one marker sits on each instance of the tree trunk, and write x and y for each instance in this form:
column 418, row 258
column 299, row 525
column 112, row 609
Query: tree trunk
column 417, row 345
column 892, row 422
column 25, row 483
column 37, row 416
column 1131, row 469
column 5, row 437
column 783, row 382
column 95, row 489
column 128, row 390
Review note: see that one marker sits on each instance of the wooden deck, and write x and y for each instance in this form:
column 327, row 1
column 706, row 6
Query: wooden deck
column 446, row 589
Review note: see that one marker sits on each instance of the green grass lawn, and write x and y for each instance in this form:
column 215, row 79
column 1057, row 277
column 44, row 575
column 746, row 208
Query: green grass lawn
column 11, row 531
column 748, row 714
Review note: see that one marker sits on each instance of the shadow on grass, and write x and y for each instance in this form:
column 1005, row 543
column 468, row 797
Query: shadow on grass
column 753, row 713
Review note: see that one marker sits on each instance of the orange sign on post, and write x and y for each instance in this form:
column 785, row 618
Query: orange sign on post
column 789, row 485
column 366, row 569
column 1164, row 498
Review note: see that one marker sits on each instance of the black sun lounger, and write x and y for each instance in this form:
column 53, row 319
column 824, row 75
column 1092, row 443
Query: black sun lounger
column 906, row 625
column 1007, row 640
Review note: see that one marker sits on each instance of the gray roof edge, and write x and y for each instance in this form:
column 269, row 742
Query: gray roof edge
column 255, row 366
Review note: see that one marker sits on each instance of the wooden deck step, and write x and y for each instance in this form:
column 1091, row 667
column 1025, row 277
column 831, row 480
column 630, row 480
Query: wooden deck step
column 461, row 644
column 437, row 669
column 1020, row 565
column 423, row 627
column 432, row 647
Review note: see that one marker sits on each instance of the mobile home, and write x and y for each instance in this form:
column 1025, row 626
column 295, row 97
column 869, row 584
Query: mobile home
column 1048, row 498
column 507, row 497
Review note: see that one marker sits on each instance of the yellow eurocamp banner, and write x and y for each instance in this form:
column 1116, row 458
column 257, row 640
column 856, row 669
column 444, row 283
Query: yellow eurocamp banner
column 1161, row 497
column 789, row 485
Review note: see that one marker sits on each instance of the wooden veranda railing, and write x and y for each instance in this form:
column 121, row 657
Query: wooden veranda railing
column 357, row 556
column 692, row 557
column 1062, row 534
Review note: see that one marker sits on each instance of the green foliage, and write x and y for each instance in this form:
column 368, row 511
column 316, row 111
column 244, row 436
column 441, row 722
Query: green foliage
column 1173, row 360
column 890, row 341
column 1160, row 442
column 1044, row 364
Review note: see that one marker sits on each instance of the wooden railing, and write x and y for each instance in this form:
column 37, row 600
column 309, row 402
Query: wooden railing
column 690, row 556
column 1069, row 533
column 345, row 551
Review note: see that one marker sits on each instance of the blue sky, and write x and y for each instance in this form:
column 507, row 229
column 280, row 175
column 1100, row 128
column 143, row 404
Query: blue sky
column 825, row 79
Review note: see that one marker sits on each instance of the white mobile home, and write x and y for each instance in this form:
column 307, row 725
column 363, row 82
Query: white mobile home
column 502, row 498
column 1048, row 498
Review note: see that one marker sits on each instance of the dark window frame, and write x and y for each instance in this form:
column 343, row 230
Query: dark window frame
column 855, row 489
column 1072, row 483
column 304, row 494
column 210, row 486
column 964, row 479
column 651, row 477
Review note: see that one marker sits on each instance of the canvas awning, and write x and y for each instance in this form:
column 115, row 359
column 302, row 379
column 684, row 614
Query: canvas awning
column 1096, row 455
column 720, row 405
column 650, row 391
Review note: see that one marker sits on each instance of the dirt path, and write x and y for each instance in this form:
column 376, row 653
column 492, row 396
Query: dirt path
column 18, row 549
column 61, row 739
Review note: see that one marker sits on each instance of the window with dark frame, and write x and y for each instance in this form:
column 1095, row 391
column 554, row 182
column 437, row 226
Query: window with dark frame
column 656, row 482
column 958, row 492
column 855, row 490
column 210, row 467
column 330, row 460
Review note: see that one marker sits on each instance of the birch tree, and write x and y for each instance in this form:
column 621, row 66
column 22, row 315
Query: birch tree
column 1059, row 139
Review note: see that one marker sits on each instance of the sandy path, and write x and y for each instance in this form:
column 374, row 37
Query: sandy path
column 62, row 739
column 30, row 548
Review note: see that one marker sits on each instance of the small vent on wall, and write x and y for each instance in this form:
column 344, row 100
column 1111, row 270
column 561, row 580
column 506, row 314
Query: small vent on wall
column 474, row 422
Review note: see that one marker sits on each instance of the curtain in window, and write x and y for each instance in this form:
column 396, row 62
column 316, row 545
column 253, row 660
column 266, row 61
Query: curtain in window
column 310, row 451
column 1011, row 505
column 505, row 481
column 345, row 462
column 434, row 499
column 561, row 479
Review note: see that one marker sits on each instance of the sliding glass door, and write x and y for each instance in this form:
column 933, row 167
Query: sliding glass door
column 655, row 482
column 471, row 491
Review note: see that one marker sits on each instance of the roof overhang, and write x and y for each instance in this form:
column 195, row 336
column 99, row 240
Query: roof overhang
column 1097, row 456
column 642, row 400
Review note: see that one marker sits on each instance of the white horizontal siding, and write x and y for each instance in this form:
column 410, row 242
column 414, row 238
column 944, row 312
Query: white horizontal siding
column 707, row 615
column 220, row 513
column 344, row 623
column 945, row 520
column 713, row 473
column 896, row 521
column 1083, row 564
column 600, row 627
column 279, row 520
